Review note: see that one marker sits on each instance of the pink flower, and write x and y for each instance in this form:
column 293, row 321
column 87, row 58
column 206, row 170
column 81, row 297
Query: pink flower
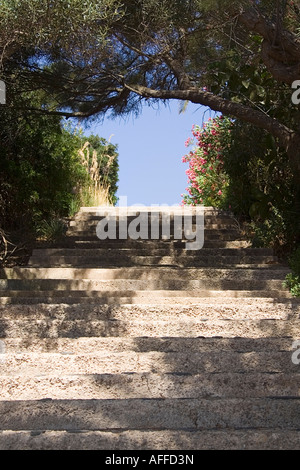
column 220, row 193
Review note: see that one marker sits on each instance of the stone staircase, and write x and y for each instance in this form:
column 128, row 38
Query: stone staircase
column 142, row 344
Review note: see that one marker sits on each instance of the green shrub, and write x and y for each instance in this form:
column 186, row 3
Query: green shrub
column 42, row 177
column 261, row 187
column 239, row 167
column 51, row 230
column 292, row 280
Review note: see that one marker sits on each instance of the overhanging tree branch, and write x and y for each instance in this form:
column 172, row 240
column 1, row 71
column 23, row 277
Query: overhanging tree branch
column 282, row 133
column 280, row 49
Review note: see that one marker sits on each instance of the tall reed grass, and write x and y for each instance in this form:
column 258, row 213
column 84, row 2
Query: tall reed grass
column 97, row 190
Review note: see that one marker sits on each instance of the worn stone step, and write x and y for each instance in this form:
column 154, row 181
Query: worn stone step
column 229, row 439
column 222, row 234
column 88, row 345
column 150, row 414
column 124, row 259
column 156, row 222
column 207, row 309
column 202, row 344
column 215, row 222
column 92, row 285
column 48, row 364
column 139, row 274
column 93, row 243
column 89, row 225
column 130, row 297
column 160, row 208
column 135, row 328
column 155, row 215
column 164, row 250
column 150, row 385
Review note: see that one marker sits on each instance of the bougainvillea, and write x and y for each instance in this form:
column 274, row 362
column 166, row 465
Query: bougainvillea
column 206, row 176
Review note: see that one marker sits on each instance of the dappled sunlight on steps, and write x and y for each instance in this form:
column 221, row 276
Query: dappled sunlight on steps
column 141, row 344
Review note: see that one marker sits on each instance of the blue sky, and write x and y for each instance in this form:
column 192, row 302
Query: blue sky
column 151, row 147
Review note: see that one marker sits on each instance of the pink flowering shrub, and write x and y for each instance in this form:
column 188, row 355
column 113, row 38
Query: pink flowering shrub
column 207, row 179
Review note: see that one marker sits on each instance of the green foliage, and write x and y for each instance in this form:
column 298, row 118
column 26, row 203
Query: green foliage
column 262, row 188
column 42, row 178
column 258, row 182
column 39, row 166
column 270, row 232
column 51, row 230
column 293, row 279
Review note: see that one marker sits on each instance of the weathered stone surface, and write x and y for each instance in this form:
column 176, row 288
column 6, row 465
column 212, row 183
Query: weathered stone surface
column 149, row 385
column 156, row 348
column 259, row 439
column 145, row 414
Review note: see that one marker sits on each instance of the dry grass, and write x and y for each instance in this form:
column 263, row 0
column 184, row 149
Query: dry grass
column 98, row 190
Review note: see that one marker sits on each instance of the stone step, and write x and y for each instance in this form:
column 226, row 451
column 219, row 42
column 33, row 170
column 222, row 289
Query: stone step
column 133, row 285
column 93, row 244
column 160, row 251
column 122, row 214
column 134, row 298
column 124, row 259
column 154, row 440
column 177, row 344
column 150, row 385
column 211, row 223
column 154, row 215
column 90, row 225
column 153, row 251
column 207, row 309
column 183, row 327
column 151, row 414
column 223, row 235
column 87, row 345
column 208, row 211
column 131, row 362
column 139, row 274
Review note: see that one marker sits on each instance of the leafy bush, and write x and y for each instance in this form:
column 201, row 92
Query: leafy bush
column 262, row 188
column 42, row 177
column 39, row 165
column 51, row 230
column 239, row 167
column 292, row 281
